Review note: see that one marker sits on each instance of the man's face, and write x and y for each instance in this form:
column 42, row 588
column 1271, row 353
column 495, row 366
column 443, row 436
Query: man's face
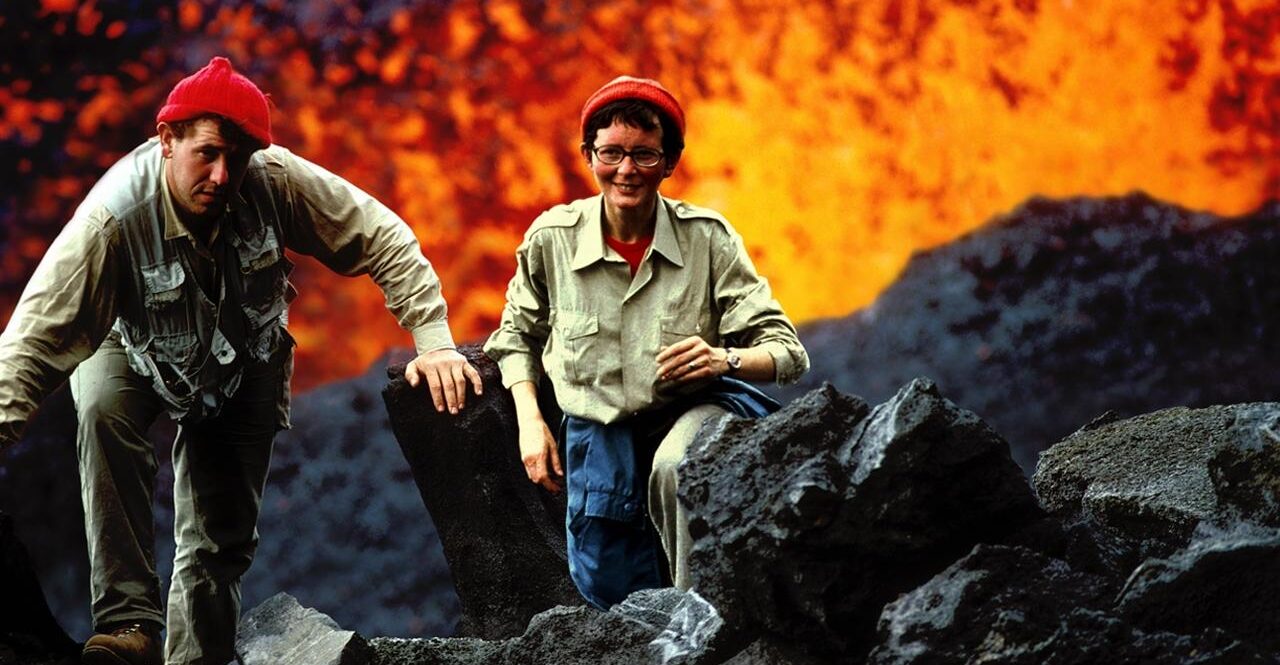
column 204, row 169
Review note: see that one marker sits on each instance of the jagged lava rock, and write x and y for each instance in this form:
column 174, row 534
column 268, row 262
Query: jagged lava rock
column 808, row 521
column 1063, row 309
column 502, row 535
column 1224, row 579
column 1142, row 485
column 28, row 632
column 282, row 632
column 948, row 618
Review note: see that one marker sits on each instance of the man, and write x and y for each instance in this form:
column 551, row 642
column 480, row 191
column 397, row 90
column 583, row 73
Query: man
column 168, row 291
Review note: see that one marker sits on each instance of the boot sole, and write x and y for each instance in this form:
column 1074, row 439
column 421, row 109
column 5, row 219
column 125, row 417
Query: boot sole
column 96, row 655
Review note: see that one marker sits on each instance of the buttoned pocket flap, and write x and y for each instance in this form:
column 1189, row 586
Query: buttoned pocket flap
column 163, row 282
column 573, row 325
column 175, row 349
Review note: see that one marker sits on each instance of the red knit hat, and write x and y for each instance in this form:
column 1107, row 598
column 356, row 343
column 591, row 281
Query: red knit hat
column 629, row 87
column 217, row 88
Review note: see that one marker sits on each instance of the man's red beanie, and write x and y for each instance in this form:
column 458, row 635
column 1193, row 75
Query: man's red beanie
column 217, row 88
column 629, row 87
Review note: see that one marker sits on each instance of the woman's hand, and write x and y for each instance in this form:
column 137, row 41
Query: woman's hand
column 691, row 359
column 540, row 455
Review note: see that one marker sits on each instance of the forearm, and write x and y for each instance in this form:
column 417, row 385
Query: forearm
column 757, row 364
column 525, row 396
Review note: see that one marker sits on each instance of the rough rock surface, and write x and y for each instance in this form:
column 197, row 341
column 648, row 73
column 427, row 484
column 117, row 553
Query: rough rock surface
column 1141, row 486
column 502, row 535
column 948, row 618
column 808, row 521
column 630, row 633
column 282, row 632
column 1061, row 310
column 28, row 632
column 1227, row 580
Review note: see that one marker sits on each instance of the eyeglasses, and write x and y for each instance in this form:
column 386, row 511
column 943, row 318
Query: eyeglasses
column 613, row 155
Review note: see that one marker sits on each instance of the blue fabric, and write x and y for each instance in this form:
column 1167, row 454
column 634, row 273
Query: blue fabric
column 612, row 546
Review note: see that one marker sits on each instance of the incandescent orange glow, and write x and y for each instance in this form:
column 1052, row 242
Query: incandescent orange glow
column 839, row 136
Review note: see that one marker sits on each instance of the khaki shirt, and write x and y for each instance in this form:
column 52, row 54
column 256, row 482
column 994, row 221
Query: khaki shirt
column 575, row 312
column 72, row 299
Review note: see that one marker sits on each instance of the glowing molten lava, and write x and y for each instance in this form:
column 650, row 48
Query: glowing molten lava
column 838, row 136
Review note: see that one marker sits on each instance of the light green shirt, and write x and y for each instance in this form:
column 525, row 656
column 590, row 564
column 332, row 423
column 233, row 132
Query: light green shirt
column 575, row 311
column 72, row 300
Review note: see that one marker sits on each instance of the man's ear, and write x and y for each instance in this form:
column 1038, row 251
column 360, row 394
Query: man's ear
column 586, row 152
column 166, row 138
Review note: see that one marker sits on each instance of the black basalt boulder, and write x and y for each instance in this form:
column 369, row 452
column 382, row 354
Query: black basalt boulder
column 808, row 521
column 502, row 535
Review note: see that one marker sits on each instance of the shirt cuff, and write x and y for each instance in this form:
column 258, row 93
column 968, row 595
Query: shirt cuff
column 432, row 337
column 517, row 367
column 785, row 368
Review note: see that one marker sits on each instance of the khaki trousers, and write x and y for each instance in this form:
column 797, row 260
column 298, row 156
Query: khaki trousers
column 664, row 509
column 220, row 466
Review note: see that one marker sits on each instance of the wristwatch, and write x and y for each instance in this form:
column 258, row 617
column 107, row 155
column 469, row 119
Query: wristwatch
column 734, row 361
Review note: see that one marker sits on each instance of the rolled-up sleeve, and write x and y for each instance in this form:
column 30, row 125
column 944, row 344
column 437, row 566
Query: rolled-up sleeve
column 352, row 233
column 65, row 311
column 751, row 316
column 522, row 334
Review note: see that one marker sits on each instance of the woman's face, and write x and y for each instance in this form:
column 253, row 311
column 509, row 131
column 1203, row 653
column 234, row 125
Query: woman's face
column 628, row 189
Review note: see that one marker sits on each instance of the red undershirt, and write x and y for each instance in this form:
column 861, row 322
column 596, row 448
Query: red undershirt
column 633, row 252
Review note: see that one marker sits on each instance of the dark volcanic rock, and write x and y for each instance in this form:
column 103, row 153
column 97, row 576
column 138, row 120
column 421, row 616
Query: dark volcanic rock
column 807, row 522
column 1141, row 486
column 633, row 632
column 28, row 632
column 1086, row 637
column 282, row 632
column 1062, row 310
column 502, row 535
column 947, row 619
column 1229, row 580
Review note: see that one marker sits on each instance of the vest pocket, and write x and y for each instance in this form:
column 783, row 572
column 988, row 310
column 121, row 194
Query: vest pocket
column 163, row 283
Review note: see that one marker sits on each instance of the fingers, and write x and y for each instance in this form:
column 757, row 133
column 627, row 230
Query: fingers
column 535, row 467
column 473, row 375
column 678, row 348
column 412, row 375
column 436, row 389
column 555, row 461
column 455, row 394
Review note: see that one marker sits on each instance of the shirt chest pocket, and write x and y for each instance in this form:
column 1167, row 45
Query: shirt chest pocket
column 577, row 344
column 680, row 326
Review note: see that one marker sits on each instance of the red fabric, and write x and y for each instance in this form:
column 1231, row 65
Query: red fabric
column 633, row 252
column 629, row 87
column 217, row 88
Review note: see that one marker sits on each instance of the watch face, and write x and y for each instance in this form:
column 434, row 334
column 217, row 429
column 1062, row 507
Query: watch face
column 735, row 361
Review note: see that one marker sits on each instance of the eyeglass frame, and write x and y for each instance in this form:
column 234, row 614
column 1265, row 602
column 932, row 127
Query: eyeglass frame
column 628, row 153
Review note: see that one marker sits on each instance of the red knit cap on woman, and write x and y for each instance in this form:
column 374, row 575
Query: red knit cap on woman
column 217, row 88
column 629, row 87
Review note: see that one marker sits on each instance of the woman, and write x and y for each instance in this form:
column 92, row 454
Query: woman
column 638, row 308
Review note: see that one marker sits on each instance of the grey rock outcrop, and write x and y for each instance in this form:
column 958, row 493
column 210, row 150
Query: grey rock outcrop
column 1062, row 310
column 1141, row 486
column 808, row 521
column 502, row 535
column 1226, row 580
column 282, row 632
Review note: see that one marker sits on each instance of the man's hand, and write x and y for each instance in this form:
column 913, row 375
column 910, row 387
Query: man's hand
column 540, row 455
column 691, row 359
column 446, row 372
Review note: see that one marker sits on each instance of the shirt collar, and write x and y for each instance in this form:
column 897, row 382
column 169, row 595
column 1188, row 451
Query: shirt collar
column 591, row 246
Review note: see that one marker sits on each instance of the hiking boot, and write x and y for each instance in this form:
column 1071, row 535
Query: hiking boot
column 132, row 644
